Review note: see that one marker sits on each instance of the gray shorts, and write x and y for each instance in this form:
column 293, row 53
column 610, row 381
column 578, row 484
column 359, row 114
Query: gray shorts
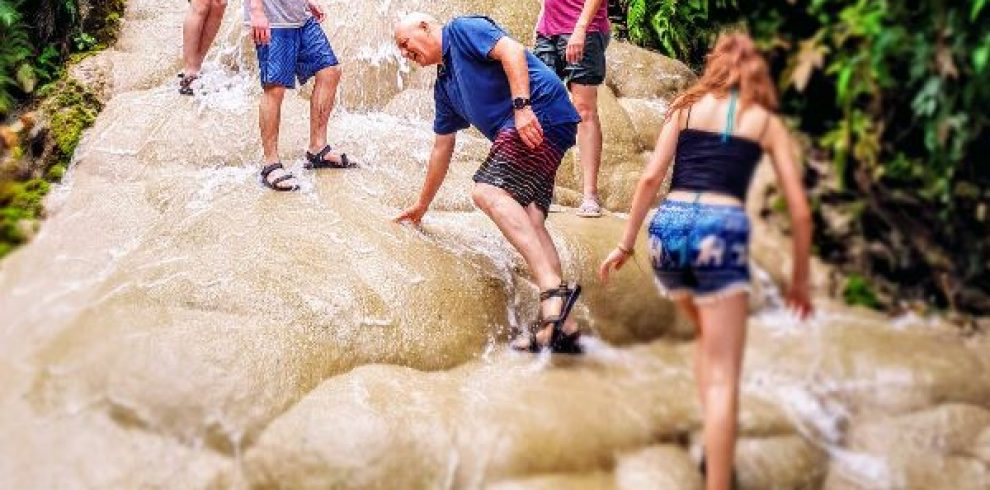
column 552, row 50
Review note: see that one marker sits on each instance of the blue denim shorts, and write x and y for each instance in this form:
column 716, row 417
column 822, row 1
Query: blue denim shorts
column 294, row 52
column 700, row 250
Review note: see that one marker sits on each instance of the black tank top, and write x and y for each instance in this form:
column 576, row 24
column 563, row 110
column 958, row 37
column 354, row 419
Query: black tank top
column 707, row 161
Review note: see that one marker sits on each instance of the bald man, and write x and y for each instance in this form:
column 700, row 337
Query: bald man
column 488, row 80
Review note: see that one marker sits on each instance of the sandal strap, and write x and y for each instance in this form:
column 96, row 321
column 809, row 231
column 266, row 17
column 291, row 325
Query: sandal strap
column 187, row 80
column 281, row 179
column 318, row 157
column 562, row 291
column 270, row 168
column 323, row 153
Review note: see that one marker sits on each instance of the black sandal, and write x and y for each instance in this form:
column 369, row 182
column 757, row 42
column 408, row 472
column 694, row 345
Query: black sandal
column 185, row 84
column 560, row 343
column 316, row 161
column 274, row 184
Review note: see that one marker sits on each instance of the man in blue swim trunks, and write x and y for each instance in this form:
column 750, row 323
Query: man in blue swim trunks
column 291, row 45
column 488, row 80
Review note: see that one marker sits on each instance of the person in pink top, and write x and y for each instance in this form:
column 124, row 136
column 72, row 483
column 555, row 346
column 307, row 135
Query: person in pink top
column 571, row 38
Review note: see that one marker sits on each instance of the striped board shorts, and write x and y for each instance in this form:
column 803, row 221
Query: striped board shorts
column 527, row 174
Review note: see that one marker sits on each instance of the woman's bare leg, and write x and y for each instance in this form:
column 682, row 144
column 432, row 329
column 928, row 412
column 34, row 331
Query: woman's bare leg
column 722, row 341
column 211, row 26
column 192, row 34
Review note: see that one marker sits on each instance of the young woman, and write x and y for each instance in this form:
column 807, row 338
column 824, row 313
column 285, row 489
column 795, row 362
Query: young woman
column 718, row 131
column 198, row 31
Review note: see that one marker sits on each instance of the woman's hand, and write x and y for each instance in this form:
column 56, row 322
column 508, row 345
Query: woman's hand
column 799, row 299
column 615, row 260
column 575, row 47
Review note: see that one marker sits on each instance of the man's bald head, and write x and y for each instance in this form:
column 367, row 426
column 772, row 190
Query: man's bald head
column 418, row 37
column 414, row 20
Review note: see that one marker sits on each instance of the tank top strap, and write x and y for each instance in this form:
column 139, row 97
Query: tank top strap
column 687, row 124
column 730, row 119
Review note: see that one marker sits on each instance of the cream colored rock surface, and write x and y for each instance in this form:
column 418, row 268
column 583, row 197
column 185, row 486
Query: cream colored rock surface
column 621, row 164
column 176, row 325
column 779, row 462
column 663, row 467
column 647, row 116
column 638, row 73
column 484, row 423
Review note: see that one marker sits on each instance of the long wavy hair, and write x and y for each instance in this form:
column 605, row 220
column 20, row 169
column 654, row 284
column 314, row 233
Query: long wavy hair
column 734, row 63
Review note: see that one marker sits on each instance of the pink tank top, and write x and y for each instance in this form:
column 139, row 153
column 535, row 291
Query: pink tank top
column 560, row 17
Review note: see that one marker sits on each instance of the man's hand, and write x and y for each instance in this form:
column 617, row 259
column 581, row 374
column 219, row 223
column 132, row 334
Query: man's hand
column 575, row 46
column 413, row 214
column 317, row 11
column 260, row 30
column 529, row 127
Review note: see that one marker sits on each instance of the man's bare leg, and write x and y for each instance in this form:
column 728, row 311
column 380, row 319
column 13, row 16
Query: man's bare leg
column 320, row 107
column 514, row 222
column 538, row 219
column 270, row 116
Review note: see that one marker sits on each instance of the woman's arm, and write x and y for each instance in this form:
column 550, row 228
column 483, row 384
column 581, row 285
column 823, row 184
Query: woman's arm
column 646, row 191
column 781, row 149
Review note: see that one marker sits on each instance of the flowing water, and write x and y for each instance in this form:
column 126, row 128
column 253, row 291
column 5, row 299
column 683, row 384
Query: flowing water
column 175, row 325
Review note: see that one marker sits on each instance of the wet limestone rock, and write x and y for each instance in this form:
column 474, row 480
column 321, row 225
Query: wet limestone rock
column 662, row 467
column 638, row 73
column 621, row 164
column 590, row 481
column 784, row 462
column 951, row 429
column 647, row 116
column 475, row 424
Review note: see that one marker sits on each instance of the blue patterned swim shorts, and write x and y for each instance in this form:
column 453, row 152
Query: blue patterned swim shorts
column 700, row 250
column 294, row 52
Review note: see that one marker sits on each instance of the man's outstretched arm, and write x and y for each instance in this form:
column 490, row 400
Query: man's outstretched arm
column 436, row 172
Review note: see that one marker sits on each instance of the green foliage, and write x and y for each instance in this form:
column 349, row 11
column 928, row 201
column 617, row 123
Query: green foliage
column 84, row 42
column 38, row 37
column 16, row 53
column 895, row 93
column 858, row 292
column 72, row 109
column 20, row 202
column 679, row 28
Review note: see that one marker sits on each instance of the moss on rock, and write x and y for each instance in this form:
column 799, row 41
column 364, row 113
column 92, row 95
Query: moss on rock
column 70, row 108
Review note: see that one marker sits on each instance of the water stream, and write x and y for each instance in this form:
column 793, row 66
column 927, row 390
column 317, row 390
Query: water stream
column 175, row 325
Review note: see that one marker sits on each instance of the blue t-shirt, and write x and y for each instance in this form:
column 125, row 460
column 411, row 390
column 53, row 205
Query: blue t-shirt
column 473, row 89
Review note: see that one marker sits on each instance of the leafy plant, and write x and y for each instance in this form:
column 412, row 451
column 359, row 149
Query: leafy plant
column 680, row 28
column 858, row 291
column 894, row 93
column 16, row 52
column 84, row 42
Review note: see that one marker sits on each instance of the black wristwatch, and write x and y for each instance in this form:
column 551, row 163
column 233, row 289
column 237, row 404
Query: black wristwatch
column 520, row 103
